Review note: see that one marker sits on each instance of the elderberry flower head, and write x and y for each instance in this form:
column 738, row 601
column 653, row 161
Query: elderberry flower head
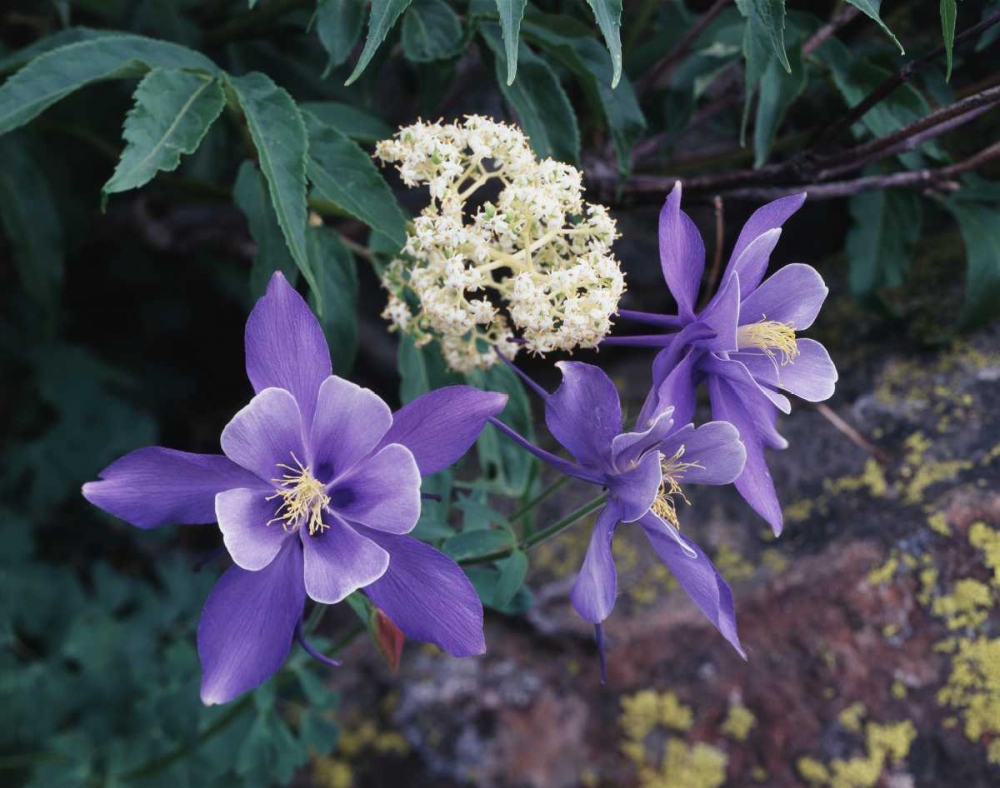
column 535, row 262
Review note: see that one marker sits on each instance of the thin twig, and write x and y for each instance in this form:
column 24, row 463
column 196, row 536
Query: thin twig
column 720, row 237
column 852, row 434
column 657, row 75
column 844, row 17
column 941, row 177
column 866, row 153
column 905, row 74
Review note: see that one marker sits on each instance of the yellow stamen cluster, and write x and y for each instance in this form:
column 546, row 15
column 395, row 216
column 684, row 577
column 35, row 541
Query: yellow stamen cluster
column 533, row 263
column 303, row 499
column 769, row 335
column 673, row 473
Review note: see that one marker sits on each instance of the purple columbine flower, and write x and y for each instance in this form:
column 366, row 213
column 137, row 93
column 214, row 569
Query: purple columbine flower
column 743, row 343
column 317, row 486
column 644, row 473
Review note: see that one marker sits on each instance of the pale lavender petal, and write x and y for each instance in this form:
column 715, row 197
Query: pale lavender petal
column 440, row 426
column 811, row 375
column 584, row 414
column 678, row 389
column 715, row 447
column 154, row 486
column 755, row 483
column 793, row 295
column 428, row 596
column 682, row 253
column 243, row 516
column 754, row 395
column 247, row 625
column 349, row 422
column 285, row 346
column 265, row 433
column 594, row 591
column 765, row 368
column 722, row 316
column 697, row 576
column 768, row 217
column 635, row 490
column 753, row 260
column 339, row 561
column 629, row 447
column 382, row 491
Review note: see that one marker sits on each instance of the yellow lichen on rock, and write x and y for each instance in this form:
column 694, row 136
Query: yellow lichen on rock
column 973, row 687
column 885, row 745
column 739, row 722
column 883, row 574
column 988, row 540
column 967, row 606
column 853, row 717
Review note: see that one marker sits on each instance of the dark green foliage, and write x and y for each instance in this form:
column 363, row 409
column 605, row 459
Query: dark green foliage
column 236, row 139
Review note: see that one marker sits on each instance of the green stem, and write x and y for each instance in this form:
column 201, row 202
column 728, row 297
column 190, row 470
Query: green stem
column 541, row 536
column 539, row 498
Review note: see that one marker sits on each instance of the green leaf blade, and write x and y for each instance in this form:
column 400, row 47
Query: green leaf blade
column 981, row 234
column 511, row 13
column 172, row 113
column 279, row 137
column 338, row 25
column 251, row 196
column 609, row 19
column 871, row 9
column 431, row 31
column 59, row 72
column 542, row 106
column 384, row 15
column 344, row 174
column 949, row 14
column 771, row 14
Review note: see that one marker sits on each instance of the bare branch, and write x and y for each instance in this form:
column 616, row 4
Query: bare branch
column 905, row 74
column 657, row 75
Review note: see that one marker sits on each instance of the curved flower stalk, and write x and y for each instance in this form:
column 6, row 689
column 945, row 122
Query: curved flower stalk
column 743, row 344
column 537, row 249
column 644, row 474
column 317, row 486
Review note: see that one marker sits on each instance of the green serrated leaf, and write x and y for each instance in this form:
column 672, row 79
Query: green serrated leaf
column 981, row 234
column 71, row 35
column 356, row 123
column 59, row 72
column 871, row 8
column 778, row 91
column 949, row 13
column 511, row 13
column 421, row 369
column 279, row 136
column 855, row 78
column 383, row 16
column 431, row 31
column 344, row 174
column 584, row 57
column 513, row 570
column 173, row 111
column 251, row 196
column 771, row 15
column 541, row 104
column 609, row 18
column 477, row 544
column 879, row 246
column 338, row 25
column 337, row 277
column 507, row 468
column 31, row 222
column 757, row 57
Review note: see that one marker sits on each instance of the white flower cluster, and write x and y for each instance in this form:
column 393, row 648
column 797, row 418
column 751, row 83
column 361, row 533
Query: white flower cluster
column 537, row 251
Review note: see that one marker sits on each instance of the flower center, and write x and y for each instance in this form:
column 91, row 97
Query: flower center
column 673, row 469
column 769, row 335
column 303, row 499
